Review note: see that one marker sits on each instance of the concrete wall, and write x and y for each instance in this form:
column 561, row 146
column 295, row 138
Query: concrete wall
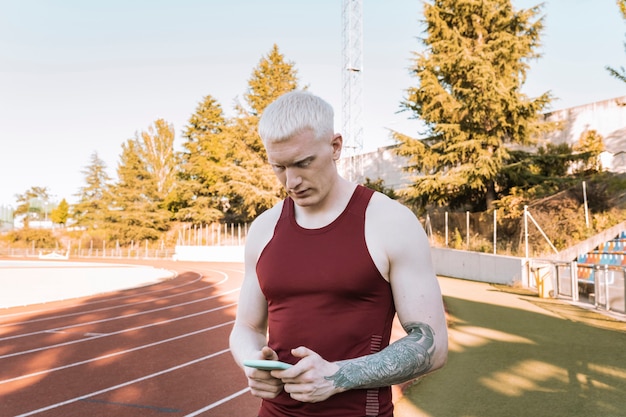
column 474, row 266
column 209, row 253
column 483, row 267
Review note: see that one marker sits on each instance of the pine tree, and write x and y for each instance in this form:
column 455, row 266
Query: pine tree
column 621, row 73
column 91, row 209
column 196, row 198
column 135, row 207
column 60, row 213
column 31, row 204
column 249, row 183
column 469, row 97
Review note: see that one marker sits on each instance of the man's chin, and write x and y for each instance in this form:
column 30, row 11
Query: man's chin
column 303, row 200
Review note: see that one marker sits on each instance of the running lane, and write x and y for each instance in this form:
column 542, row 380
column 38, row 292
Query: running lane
column 156, row 350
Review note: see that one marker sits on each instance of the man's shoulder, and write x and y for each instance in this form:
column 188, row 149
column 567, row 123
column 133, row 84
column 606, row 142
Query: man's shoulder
column 389, row 214
column 263, row 226
column 380, row 203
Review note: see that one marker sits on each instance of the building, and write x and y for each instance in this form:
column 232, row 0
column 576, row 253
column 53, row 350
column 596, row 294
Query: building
column 607, row 117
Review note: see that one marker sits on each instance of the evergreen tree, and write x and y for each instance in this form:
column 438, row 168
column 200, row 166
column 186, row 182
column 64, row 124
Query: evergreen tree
column 156, row 148
column 196, row 199
column 135, row 213
column 32, row 204
column 248, row 180
column 589, row 147
column 469, row 97
column 621, row 74
column 224, row 173
column 60, row 213
column 91, row 209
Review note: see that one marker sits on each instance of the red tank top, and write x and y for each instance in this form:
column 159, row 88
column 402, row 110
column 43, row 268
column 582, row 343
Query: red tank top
column 324, row 292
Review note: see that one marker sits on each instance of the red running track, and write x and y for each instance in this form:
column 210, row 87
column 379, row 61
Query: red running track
column 158, row 350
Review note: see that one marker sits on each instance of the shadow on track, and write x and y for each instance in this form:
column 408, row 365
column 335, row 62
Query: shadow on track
column 140, row 352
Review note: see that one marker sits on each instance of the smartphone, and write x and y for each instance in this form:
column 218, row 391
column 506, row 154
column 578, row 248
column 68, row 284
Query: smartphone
column 266, row 365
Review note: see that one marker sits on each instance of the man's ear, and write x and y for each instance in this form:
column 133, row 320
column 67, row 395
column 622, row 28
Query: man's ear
column 337, row 144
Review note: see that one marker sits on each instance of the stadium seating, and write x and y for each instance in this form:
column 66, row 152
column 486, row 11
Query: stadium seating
column 611, row 253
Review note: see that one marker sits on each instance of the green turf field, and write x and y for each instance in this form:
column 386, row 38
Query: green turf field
column 514, row 354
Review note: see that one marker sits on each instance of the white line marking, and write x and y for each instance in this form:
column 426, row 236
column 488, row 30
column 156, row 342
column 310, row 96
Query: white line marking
column 158, row 323
column 82, row 312
column 110, row 355
column 134, row 381
column 97, row 302
column 220, row 402
column 77, row 325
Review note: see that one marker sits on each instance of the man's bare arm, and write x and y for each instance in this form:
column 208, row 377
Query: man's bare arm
column 403, row 360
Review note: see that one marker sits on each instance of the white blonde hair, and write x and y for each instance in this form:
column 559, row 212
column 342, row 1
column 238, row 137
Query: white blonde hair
column 293, row 113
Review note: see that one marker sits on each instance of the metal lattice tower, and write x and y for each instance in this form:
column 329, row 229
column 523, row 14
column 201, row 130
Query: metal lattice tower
column 352, row 77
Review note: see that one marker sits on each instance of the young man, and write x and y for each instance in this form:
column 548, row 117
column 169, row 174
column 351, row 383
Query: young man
column 326, row 270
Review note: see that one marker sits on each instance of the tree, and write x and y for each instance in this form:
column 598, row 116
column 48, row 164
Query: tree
column 156, row 148
column 589, row 147
column 32, row 204
column 196, row 198
column 60, row 213
column 621, row 74
column 224, row 172
column 135, row 207
column 469, row 97
column 272, row 78
column 91, row 209
column 248, row 180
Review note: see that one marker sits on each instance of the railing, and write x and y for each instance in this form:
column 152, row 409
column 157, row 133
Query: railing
column 113, row 253
column 602, row 286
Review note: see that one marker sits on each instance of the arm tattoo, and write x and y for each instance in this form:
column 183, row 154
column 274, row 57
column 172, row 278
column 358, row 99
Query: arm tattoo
column 399, row 362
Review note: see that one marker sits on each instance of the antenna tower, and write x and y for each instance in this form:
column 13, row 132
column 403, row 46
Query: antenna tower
column 352, row 77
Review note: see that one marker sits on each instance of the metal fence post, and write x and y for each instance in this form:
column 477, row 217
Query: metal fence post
column 574, row 277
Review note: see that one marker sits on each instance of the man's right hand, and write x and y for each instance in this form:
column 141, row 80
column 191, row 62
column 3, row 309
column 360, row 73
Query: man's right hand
column 262, row 384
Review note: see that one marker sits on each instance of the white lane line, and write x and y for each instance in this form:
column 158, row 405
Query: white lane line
column 76, row 325
column 83, row 312
column 134, row 381
column 110, row 355
column 217, row 403
column 199, row 278
column 176, row 274
column 130, row 329
column 53, row 308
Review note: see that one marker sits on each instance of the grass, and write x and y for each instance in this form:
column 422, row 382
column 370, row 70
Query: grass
column 514, row 354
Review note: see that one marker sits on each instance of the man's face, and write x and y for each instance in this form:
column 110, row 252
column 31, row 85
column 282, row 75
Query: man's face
column 305, row 166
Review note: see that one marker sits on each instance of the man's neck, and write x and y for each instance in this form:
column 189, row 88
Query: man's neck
column 315, row 217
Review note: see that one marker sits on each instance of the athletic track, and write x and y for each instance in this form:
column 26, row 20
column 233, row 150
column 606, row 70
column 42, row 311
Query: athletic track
column 158, row 350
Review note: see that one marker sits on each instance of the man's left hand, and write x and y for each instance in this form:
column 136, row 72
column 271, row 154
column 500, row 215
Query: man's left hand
column 307, row 380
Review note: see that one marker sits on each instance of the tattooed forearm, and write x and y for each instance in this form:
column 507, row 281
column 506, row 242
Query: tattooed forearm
column 401, row 361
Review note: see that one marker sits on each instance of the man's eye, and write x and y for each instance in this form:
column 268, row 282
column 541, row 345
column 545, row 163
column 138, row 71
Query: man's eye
column 278, row 168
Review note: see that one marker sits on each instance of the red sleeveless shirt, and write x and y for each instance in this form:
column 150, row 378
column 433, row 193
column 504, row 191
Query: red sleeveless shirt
column 324, row 292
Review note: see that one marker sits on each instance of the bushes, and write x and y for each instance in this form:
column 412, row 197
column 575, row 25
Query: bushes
column 38, row 238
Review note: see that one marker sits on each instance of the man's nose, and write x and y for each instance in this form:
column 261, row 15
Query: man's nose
column 293, row 179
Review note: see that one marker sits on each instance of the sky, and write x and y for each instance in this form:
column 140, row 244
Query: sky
column 78, row 77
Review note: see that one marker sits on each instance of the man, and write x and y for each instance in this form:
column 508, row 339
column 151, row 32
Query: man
column 326, row 270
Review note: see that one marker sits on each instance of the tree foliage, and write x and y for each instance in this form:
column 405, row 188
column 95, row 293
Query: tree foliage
column 91, row 209
column 589, row 147
column 32, row 204
column 60, row 213
column 156, row 149
column 134, row 207
column 621, row 73
column 469, row 97
column 224, row 171
column 196, row 199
